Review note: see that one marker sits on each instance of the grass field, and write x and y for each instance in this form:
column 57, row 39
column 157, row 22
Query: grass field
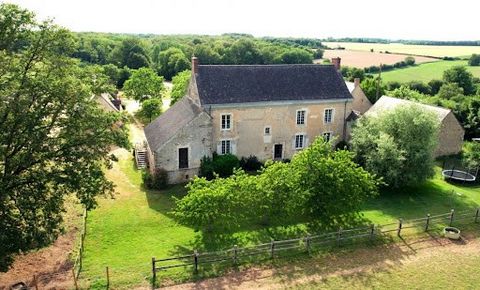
column 125, row 232
column 425, row 50
column 426, row 72
column 362, row 59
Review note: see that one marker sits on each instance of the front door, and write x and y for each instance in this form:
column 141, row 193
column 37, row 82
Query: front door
column 277, row 151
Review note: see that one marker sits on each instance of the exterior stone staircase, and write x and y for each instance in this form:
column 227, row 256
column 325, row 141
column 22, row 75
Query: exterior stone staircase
column 140, row 155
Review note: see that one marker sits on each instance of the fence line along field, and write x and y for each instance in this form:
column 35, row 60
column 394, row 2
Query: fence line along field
column 424, row 50
column 426, row 72
column 362, row 59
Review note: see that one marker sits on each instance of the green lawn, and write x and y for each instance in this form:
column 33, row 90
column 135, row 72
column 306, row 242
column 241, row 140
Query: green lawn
column 125, row 232
column 425, row 72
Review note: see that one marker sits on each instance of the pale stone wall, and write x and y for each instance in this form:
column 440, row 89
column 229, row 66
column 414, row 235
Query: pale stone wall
column 450, row 137
column 249, row 122
column 360, row 101
column 197, row 137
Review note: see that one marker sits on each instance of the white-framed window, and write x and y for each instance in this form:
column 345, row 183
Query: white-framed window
column 301, row 116
column 226, row 147
column 267, row 130
column 226, row 121
column 299, row 141
column 328, row 116
column 327, row 136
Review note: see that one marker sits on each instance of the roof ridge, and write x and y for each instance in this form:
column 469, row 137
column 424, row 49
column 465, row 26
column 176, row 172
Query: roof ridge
column 420, row 103
column 265, row 65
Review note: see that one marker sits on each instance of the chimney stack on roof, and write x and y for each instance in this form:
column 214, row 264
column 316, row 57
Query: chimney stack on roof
column 194, row 64
column 336, row 62
column 356, row 82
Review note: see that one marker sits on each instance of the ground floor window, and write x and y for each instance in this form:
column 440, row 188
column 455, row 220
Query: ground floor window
column 299, row 141
column 182, row 158
column 226, row 147
column 327, row 136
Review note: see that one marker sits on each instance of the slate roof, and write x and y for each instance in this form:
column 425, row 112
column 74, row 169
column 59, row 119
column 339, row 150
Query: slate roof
column 167, row 124
column 389, row 103
column 233, row 84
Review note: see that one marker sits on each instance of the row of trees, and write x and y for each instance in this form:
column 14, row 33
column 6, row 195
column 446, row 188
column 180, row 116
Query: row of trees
column 319, row 185
column 169, row 55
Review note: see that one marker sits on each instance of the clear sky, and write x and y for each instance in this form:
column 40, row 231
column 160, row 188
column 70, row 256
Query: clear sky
column 404, row 19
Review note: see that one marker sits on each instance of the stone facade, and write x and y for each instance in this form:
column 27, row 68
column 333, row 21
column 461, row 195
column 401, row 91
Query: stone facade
column 360, row 100
column 450, row 137
column 247, row 133
column 197, row 137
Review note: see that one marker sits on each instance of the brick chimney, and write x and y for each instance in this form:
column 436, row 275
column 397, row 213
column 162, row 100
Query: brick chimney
column 194, row 64
column 356, row 82
column 336, row 62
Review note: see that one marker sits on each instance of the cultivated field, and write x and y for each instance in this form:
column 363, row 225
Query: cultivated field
column 426, row 72
column 362, row 59
column 425, row 50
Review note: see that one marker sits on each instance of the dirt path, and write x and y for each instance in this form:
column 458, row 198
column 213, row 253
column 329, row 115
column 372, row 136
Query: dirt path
column 361, row 262
column 51, row 265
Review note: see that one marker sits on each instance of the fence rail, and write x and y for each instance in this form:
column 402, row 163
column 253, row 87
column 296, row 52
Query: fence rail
column 77, row 265
column 307, row 242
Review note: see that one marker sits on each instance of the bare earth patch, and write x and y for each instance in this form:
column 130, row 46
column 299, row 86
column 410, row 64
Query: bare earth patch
column 362, row 59
column 51, row 265
column 360, row 262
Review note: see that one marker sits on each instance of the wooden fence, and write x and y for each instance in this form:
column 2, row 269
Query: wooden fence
column 307, row 243
column 77, row 265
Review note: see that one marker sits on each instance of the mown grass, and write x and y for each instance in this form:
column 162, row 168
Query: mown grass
column 125, row 232
column 426, row 72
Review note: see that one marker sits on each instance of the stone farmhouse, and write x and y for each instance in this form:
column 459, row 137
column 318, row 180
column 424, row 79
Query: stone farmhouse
column 270, row 111
column 450, row 137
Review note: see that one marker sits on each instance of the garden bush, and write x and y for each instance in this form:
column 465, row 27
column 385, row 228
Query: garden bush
column 250, row 163
column 222, row 165
column 159, row 180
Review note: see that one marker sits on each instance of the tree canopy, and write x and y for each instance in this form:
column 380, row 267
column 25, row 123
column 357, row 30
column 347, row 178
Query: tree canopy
column 54, row 140
column 389, row 146
column 180, row 85
column 319, row 186
column 143, row 84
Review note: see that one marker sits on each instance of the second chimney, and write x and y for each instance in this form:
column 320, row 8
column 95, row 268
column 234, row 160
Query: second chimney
column 336, row 62
column 356, row 82
column 194, row 64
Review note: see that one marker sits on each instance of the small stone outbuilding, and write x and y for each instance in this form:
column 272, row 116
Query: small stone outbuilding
column 450, row 137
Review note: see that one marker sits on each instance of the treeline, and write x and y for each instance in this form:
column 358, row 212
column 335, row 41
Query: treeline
column 404, row 41
column 169, row 55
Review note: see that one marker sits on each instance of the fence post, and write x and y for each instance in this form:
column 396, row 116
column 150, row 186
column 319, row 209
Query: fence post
column 399, row 227
column 74, row 279
column 372, row 231
column 272, row 248
column 477, row 214
column 35, row 282
column 452, row 212
column 307, row 243
column 235, row 249
column 195, row 259
column 339, row 235
column 427, row 223
column 108, row 278
column 154, row 273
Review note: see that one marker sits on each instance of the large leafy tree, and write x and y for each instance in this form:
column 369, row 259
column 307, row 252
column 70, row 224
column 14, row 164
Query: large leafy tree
column 171, row 62
column 180, row 85
column 461, row 76
column 144, row 83
column 54, row 140
column 389, row 144
column 319, row 185
column 130, row 53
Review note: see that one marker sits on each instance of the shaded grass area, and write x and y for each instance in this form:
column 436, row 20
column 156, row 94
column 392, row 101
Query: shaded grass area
column 125, row 232
column 426, row 72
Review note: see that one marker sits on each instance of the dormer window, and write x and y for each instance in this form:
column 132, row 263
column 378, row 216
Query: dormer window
column 226, row 122
column 301, row 117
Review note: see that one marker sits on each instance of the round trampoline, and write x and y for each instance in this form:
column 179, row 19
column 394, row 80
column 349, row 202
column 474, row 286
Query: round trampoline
column 458, row 175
